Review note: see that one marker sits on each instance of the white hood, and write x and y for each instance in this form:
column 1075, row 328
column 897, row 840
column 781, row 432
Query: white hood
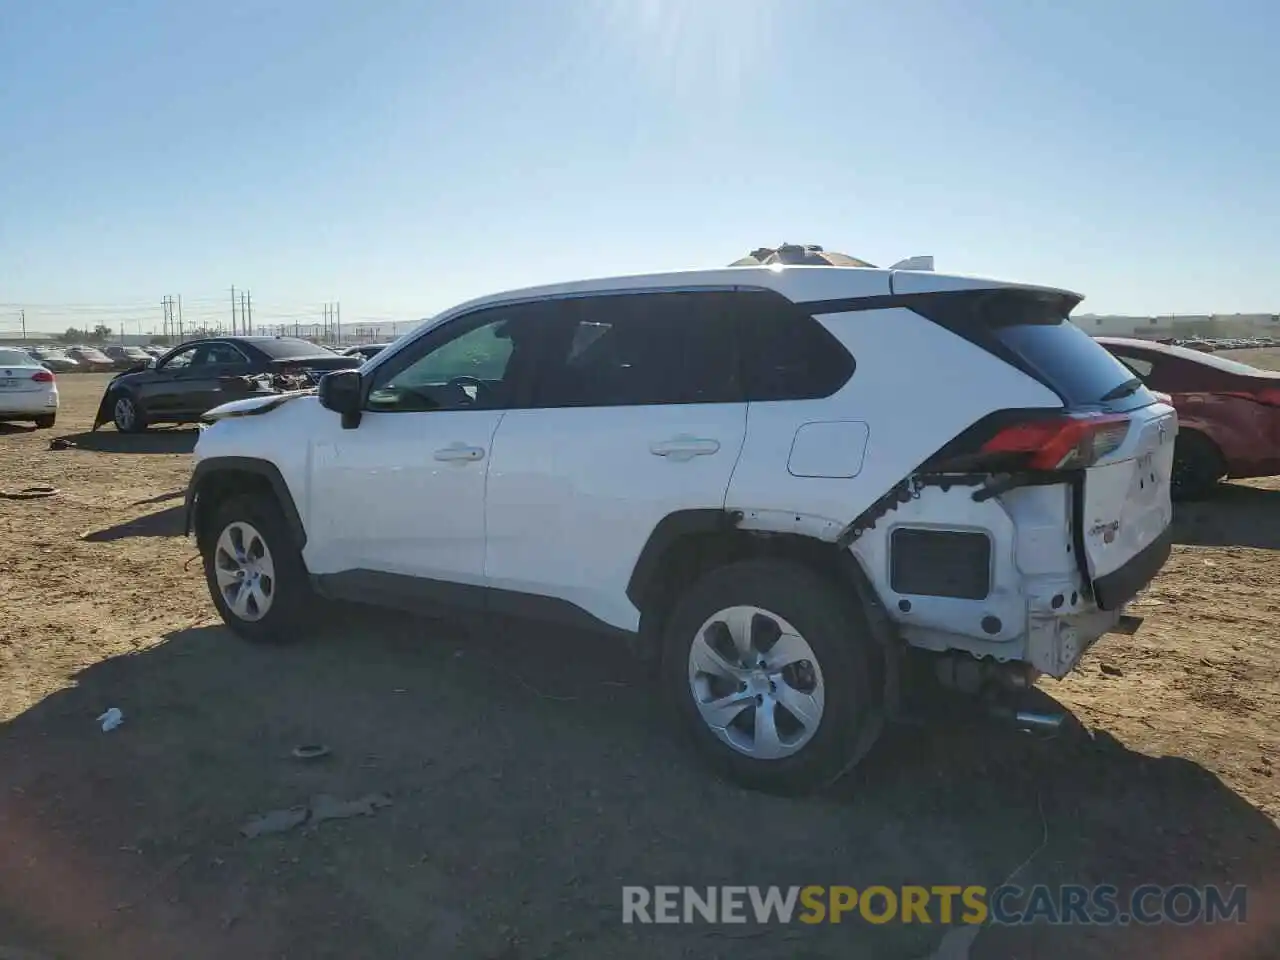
column 253, row 405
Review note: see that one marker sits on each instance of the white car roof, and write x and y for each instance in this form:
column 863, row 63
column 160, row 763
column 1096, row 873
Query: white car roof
column 797, row 283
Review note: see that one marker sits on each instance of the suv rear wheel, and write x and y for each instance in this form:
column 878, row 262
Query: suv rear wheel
column 255, row 571
column 768, row 667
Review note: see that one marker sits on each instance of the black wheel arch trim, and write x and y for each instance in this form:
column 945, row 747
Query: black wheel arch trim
column 253, row 465
column 106, row 412
column 670, row 529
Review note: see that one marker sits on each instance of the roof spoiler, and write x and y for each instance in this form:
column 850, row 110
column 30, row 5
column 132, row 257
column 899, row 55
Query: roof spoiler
column 914, row 263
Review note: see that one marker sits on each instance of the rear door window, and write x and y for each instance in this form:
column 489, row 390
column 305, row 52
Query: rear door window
column 641, row 349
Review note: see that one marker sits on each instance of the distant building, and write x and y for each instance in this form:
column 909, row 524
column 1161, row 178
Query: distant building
column 1181, row 325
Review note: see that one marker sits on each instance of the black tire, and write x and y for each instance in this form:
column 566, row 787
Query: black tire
column 138, row 424
column 831, row 622
column 1198, row 465
column 288, row 617
column 44, row 423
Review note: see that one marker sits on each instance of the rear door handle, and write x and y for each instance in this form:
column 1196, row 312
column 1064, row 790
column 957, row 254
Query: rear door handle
column 684, row 448
column 460, row 452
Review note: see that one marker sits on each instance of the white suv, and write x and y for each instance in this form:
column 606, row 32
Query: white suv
column 777, row 478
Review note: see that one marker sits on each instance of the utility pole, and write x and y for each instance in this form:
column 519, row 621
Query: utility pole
column 23, row 315
column 179, row 317
column 244, row 322
column 337, row 319
column 233, row 310
column 248, row 302
column 330, row 333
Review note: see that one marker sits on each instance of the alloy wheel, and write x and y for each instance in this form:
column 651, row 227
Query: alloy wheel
column 126, row 414
column 245, row 571
column 756, row 682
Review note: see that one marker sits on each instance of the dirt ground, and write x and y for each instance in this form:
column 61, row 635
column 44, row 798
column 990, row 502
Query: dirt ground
column 531, row 775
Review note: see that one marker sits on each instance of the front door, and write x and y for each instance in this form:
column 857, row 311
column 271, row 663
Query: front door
column 398, row 503
column 162, row 391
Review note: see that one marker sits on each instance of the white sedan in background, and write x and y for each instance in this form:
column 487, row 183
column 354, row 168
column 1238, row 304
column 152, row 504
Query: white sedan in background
column 28, row 391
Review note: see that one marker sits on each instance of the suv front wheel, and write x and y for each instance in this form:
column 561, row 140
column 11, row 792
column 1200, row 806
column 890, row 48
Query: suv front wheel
column 126, row 414
column 255, row 571
column 768, row 666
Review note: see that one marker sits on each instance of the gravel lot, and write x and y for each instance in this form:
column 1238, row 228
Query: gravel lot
column 531, row 776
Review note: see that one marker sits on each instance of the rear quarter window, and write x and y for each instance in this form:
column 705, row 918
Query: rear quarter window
column 788, row 355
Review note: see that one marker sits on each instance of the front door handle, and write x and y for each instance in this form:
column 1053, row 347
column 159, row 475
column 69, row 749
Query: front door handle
column 460, row 452
column 684, row 448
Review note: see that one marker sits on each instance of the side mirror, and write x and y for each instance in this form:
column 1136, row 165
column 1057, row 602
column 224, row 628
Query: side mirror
column 342, row 391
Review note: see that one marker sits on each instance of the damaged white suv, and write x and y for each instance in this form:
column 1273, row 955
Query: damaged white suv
column 776, row 479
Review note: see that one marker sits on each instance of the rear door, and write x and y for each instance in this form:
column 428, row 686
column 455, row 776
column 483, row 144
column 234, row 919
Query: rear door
column 636, row 412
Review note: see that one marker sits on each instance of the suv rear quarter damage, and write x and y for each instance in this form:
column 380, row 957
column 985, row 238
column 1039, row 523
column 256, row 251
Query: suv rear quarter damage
column 994, row 578
column 991, row 561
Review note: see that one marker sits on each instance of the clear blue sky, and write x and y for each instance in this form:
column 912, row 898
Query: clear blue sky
column 401, row 155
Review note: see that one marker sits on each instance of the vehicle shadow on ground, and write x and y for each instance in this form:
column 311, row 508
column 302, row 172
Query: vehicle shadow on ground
column 175, row 440
column 531, row 776
column 1234, row 515
column 8, row 428
column 164, row 523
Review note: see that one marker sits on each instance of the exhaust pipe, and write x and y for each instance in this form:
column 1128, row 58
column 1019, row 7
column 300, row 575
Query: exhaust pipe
column 1030, row 719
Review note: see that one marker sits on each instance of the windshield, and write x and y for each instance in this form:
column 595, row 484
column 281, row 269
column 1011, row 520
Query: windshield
column 286, row 348
column 14, row 358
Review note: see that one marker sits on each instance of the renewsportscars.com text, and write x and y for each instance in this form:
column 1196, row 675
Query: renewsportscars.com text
column 1102, row 905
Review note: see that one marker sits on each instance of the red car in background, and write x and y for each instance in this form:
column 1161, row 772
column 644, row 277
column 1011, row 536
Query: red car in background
column 1228, row 412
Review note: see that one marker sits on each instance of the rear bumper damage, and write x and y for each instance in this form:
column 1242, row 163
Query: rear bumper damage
column 1113, row 591
column 1026, row 600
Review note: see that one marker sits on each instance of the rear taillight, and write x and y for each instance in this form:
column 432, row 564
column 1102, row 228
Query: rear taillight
column 1269, row 396
column 1060, row 443
column 43, row 376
